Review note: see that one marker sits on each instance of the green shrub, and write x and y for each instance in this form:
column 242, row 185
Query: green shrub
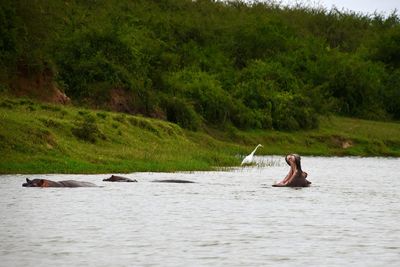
column 8, row 32
column 87, row 130
column 258, row 83
column 7, row 104
column 182, row 113
column 292, row 112
column 101, row 115
column 359, row 85
column 51, row 123
column 204, row 91
column 246, row 118
column 120, row 118
column 93, row 61
column 388, row 47
column 392, row 95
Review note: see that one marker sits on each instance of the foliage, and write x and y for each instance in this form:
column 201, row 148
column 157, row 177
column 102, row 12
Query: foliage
column 249, row 65
column 182, row 113
column 8, row 43
column 387, row 48
column 210, row 100
column 391, row 97
column 87, row 129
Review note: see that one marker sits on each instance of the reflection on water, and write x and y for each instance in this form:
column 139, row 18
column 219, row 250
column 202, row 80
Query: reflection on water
column 349, row 216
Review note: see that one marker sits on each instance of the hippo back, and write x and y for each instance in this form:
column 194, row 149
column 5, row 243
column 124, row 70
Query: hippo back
column 173, row 181
column 115, row 178
column 73, row 183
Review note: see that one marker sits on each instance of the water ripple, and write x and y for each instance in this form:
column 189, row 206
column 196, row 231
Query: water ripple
column 228, row 218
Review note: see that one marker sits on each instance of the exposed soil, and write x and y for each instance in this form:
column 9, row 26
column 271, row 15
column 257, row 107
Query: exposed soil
column 121, row 101
column 40, row 86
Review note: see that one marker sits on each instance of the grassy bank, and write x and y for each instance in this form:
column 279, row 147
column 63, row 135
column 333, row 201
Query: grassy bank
column 44, row 138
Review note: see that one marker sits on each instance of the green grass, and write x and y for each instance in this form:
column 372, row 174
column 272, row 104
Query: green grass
column 336, row 136
column 45, row 138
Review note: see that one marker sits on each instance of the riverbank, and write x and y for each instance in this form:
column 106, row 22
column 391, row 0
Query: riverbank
column 46, row 138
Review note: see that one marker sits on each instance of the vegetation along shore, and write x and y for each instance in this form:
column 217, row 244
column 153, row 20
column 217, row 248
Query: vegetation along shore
column 123, row 86
column 48, row 138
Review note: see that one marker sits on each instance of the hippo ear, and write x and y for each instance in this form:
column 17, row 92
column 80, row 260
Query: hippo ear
column 28, row 181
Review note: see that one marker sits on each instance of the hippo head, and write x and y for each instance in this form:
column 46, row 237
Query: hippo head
column 297, row 159
column 293, row 158
column 289, row 159
column 33, row 183
column 111, row 179
column 115, row 178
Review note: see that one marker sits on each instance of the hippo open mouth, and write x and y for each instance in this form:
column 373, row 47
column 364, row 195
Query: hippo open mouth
column 296, row 176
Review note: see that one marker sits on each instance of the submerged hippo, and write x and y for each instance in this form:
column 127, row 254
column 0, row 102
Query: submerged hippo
column 49, row 183
column 296, row 177
column 115, row 178
column 173, row 181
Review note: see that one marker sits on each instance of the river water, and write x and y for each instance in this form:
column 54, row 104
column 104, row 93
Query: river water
column 350, row 216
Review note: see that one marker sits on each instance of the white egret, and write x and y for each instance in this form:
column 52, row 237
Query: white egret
column 249, row 159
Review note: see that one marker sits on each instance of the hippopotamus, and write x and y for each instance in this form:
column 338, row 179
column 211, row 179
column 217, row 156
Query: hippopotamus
column 115, row 178
column 173, row 181
column 296, row 176
column 49, row 183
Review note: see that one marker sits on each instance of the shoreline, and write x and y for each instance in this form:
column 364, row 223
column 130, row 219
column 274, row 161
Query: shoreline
column 215, row 169
column 39, row 138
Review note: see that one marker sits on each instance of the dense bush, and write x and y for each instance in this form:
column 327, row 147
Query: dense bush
column 387, row 48
column 181, row 113
column 89, row 58
column 292, row 112
column 358, row 85
column 391, row 97
column 210, row 100
column 223, row 63
column 8, row 43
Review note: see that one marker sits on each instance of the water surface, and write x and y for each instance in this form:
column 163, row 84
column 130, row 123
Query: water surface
column 349, row 216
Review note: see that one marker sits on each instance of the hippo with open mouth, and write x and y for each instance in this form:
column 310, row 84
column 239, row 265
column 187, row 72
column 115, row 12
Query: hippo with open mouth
column 49, row 183
column 296, row 176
